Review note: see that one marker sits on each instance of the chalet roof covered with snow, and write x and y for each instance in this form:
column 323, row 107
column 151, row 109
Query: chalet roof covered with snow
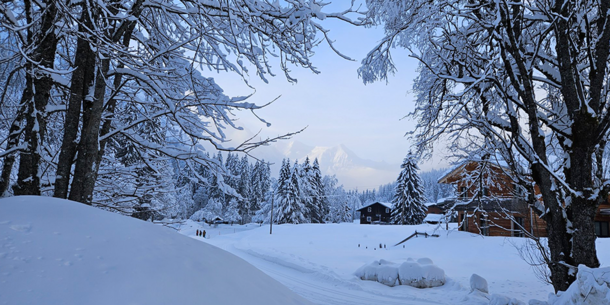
column 451, row 172
column 386, row 204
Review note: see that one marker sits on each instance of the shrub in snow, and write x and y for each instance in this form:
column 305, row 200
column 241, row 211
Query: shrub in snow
column 498, row 299
column 420, row 274
column 592, row 287
column 478, row 283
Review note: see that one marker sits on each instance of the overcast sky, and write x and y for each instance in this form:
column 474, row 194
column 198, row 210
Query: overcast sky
column 335, row 105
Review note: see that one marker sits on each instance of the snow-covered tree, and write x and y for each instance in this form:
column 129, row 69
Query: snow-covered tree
column 212, row 209
column 408, row 203
column 82, row 62
column 319, row 201
column 308, row 191
column 289, row 207
column 434, row 190
column 260, row 181
column 263, row 215
column 244, row 189
column 231, row 211
column 523, row 79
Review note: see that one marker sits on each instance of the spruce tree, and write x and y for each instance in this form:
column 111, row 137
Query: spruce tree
column 408, row 201
column 215, row 192
column 244, row 189
column 290, row 208
column 257, row 194
column 320, row 201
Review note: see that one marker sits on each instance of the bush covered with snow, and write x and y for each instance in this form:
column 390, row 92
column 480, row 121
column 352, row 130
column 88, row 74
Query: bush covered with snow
column 592, row 287
column 421, row 273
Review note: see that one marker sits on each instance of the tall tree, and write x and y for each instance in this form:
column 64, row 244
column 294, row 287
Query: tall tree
column 320, row 201
column 244, row 189
column 38, row 44
column 523, row 79
column 308, row 191
column 289, row 209
column 408, row 202
column 149, row 59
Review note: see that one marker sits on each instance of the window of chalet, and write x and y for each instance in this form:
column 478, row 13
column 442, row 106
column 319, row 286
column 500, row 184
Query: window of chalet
column 601, row 229
column 463, row 192
column 369, row 209
column 485, row 191
column 483, row 225
column 519, row 190
column 368, row 218
column 517, row 225
column 387, row 210
column 464, row 221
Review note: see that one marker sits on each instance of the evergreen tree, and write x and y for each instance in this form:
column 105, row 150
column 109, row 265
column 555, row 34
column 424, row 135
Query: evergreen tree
column 257, row 193
column 310, row 194
column 346, row 213
column 320, row 202
column 290, row 208
column 231, row 211
column 244, row 189
column 232, row 166
column 215, row 191
column 409, row 208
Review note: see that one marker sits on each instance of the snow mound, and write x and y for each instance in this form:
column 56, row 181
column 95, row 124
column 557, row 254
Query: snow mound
column 420, row 274
column 478, row 283
column 592, row 287
column 55, row 251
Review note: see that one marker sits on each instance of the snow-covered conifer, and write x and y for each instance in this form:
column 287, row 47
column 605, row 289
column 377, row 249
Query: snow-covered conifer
column 289, row 209
column 408, row 202
column 310, row 193
column 244, row 189
column 320, row 202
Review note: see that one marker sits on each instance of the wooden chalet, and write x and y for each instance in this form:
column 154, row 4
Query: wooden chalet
column 486, row 203
column 376, row 213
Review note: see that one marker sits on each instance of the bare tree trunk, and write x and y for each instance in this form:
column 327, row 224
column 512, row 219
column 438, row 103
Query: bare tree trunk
column 90, row 149
column 82, row 80
column 37, row 93
column 9, row 159
column 85, row 171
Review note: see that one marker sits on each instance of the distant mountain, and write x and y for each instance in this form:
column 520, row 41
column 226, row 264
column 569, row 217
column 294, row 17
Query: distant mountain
column 351, row 170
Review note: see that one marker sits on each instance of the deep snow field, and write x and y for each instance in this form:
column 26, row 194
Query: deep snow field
column 59, row 252
column 319, row 261
column 55, row 251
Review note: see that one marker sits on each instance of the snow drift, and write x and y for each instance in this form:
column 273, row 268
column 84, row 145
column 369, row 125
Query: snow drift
column 420, row 274
column 592, row 287
column 55, row 251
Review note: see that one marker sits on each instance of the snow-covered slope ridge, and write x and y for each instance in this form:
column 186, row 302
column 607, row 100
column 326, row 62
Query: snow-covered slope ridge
column 55, row 251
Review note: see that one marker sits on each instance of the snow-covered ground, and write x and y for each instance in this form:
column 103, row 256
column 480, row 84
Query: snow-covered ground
column 319, row 261
column 60, row 252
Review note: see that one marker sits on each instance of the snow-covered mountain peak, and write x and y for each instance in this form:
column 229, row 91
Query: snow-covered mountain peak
column 351, row 170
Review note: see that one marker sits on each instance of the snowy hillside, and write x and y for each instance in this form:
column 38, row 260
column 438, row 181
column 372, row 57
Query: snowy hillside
column 56, row 251
column 351, row 170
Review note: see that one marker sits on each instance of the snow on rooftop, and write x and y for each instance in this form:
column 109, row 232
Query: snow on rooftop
column 57, row 251
column 386, row 204
column 433, row 217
